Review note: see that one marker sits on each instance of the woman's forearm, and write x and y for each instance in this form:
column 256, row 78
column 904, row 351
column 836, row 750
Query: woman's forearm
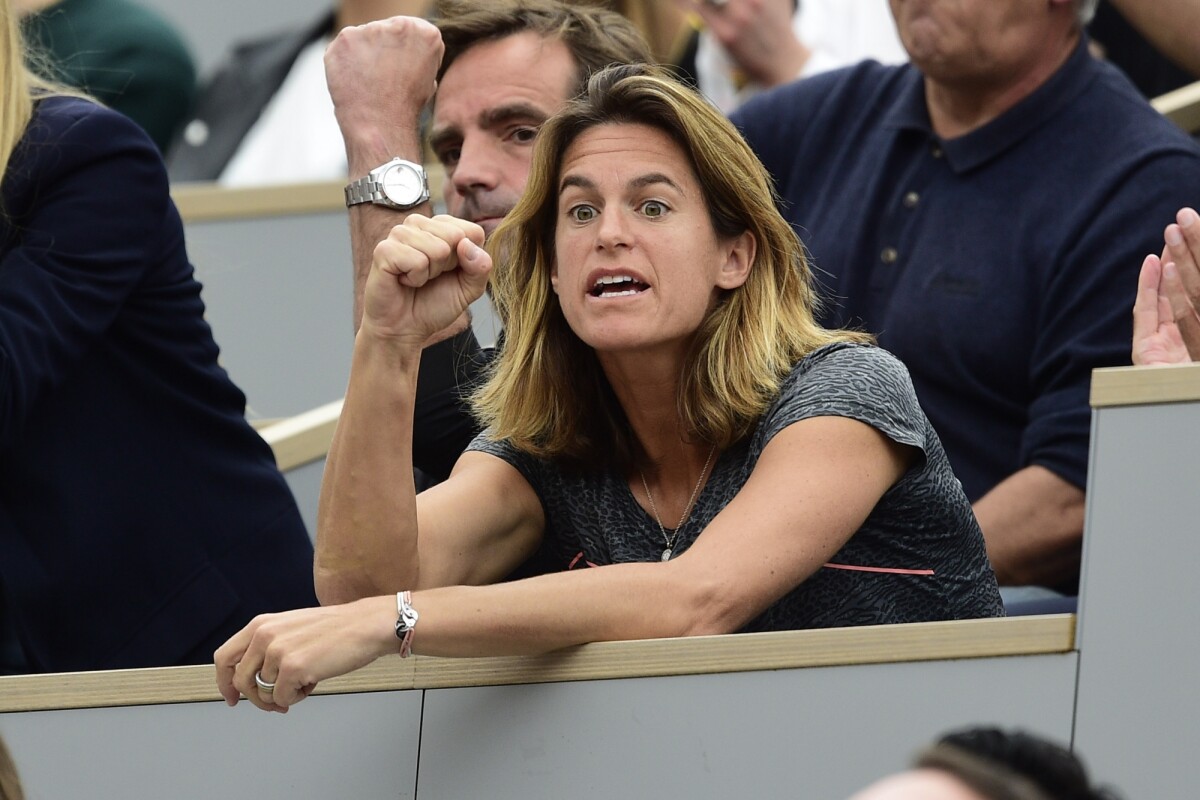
column 366, row 540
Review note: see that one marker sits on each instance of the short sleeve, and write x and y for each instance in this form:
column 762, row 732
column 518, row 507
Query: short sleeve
column 859, row 382
column 532, row 469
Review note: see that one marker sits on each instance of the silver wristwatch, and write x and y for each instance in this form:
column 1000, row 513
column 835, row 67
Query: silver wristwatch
column 397, row 184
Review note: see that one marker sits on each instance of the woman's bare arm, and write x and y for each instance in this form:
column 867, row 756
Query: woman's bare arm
column 812, row 489
column 371, row 539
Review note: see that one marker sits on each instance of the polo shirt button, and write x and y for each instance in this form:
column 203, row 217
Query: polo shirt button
column 935, row 151
column 889, row 255
column 911, row 199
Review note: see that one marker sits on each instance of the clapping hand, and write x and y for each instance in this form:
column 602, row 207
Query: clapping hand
column 1156, row 336
column 1181, row 285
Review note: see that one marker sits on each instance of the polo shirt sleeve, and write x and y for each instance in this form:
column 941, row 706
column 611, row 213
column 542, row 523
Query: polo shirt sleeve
column 1084, row 321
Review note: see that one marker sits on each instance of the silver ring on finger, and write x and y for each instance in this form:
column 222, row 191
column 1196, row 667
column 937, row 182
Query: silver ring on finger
column 263, row 686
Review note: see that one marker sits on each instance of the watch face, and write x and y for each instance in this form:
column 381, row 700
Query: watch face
column 404, row 185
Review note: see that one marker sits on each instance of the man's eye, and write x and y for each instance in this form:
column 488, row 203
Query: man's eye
column 525, row 135
column 653, row 208
column 582, row 213
column 449, row 157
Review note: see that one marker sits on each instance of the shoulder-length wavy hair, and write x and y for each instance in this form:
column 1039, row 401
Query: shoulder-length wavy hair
column 547, row 393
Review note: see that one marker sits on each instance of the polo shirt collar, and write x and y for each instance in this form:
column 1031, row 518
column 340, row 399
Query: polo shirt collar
column 963, row 153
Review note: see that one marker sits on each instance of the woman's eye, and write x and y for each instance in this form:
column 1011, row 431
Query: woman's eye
column 582, row 213
column 653, row 208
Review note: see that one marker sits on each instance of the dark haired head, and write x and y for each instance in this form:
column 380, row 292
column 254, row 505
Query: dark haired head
column 595, row 37
column 1012, row 765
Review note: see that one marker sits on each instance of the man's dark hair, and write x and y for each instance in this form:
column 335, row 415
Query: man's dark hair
column 596, row 37
column 1004, row 765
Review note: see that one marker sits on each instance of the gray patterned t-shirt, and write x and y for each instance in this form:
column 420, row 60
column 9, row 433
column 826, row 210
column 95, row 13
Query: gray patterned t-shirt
column 919, row 555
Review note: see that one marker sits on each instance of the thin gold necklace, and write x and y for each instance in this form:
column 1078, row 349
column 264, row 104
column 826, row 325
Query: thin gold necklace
column 687, row 510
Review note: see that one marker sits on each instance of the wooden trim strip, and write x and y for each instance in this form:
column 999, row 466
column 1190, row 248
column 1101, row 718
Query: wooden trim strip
column 1181, row 106
column 927, row 641
column 303, row 438
column 1133, row 386
column 203, row 202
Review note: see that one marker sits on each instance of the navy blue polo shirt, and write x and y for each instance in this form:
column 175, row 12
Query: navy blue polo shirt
column 1000, row 266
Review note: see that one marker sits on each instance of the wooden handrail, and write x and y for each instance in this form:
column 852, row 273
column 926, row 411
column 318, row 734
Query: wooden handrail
column 1123, row 386
column 1181, row 106
column 199, row 202
column 204, row 201
column 926, row 641
column 304, row 438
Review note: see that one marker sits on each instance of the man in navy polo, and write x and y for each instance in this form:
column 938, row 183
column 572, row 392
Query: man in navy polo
column 984, row 210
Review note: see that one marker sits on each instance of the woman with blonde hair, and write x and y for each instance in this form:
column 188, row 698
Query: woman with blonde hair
column 132, row 490
column 672, row 440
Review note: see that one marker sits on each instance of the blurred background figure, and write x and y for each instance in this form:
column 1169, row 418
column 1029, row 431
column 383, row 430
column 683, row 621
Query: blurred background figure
column 990, row 764
column 739, row 47
column 1155, row 42
column 142, row 520
column 126, row 56
column 265, row 115
column 663, row 24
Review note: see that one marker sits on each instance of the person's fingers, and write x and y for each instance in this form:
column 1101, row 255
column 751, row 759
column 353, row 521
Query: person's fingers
column 1187, row 259
column 1146, row 304
column 1170, row 286
column 1182, row 239
column 476, row 266
column 244, row 681
column 278, row 679
column 255, row 674
column 436, row 256
column 226, row 659
column 1172, row 348
column 450, row 228
column 229, row 656
column 1164, row 310
column 289, row 689
column 437, row 238
column 1181, row 308
column 417, row 250
column 395, row 256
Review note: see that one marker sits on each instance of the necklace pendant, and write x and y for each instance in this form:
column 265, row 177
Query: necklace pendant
column 666, row 556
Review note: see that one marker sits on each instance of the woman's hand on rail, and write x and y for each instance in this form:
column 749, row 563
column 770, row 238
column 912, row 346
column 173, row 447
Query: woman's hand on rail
column 298, row 649
column 423, row 277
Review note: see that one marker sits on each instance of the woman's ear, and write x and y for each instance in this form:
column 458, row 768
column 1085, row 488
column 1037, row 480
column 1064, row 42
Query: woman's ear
column 739, row 258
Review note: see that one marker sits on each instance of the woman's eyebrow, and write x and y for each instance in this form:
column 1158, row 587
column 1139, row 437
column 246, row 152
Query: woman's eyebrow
column 651, row 179
column 640, row 182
